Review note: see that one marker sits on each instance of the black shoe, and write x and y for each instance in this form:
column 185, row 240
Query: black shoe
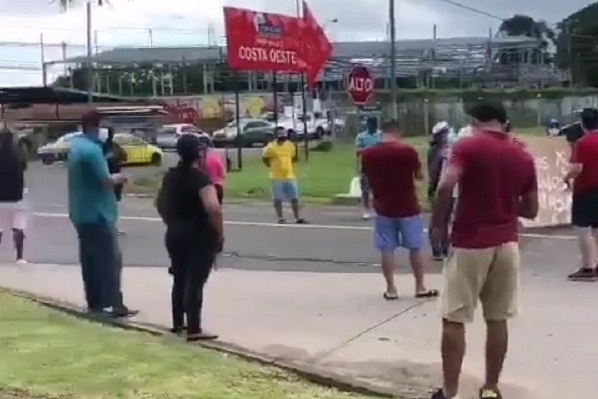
column 119, row 312
column 583, row 274
column 439, row 394
column 486, row 393
column 178, row 330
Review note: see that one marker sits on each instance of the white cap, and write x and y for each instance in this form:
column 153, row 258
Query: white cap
column 440, row 127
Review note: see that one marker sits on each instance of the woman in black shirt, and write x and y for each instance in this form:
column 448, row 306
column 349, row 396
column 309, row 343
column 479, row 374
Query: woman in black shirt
column 188, row 204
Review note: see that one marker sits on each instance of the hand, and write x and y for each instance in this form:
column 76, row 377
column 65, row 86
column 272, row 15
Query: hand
column 568, row 186
column 219, row 245
column 439, row 235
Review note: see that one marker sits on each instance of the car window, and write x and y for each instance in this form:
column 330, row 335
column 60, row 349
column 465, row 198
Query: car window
column 124, row 139
column 251, row 125
column 190, row 129
column 167, row 131
column 137, row 141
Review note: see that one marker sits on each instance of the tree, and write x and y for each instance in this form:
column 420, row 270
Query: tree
column 577, row 46
column 524, row 25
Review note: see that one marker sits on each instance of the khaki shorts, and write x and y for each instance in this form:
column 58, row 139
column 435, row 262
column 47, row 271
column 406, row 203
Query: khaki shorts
column 490, row 274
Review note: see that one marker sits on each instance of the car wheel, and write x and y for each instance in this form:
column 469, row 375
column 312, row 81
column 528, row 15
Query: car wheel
column 47, row 161
column 156, row 159
column 319, row 132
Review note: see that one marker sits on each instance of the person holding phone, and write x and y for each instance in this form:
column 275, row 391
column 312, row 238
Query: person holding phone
column 93, row 212
column 188, row 204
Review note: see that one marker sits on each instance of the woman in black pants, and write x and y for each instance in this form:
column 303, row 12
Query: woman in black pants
column 189, row 206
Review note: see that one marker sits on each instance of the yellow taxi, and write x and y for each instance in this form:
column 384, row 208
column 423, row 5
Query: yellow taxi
column 137, row 150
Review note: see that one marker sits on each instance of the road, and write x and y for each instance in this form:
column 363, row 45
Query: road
column 336, row 240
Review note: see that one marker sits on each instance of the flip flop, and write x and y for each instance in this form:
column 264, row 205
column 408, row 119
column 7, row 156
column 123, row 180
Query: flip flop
column 428, row 294
column 390, row 297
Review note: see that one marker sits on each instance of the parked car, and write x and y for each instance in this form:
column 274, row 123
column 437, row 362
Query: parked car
column 169, row 134
column 253, row 131
column 137, row 150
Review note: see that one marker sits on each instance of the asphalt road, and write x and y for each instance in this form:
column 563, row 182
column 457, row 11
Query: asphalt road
column 336, row 240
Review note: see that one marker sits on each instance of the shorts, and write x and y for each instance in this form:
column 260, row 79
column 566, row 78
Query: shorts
column 363, row 184
column 393, row 233
column 285, row 190
column 584, row 209
column 490, row 274
column 13, row 215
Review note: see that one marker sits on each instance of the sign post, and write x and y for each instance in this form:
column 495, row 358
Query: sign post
column 360, row 85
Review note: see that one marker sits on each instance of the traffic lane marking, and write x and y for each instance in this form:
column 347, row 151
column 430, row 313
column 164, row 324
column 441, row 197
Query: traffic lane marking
column 294, row 226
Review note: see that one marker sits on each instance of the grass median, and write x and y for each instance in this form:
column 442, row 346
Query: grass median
column 321, row 177
column 47, row 354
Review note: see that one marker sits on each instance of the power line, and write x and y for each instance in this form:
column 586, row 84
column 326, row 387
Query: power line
column 473, row 9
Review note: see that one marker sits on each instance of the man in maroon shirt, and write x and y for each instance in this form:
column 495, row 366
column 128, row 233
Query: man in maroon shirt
column 497, row 184
column 391, row 169
column 584, row 208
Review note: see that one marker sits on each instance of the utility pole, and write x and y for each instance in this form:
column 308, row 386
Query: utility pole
column 393, row 60
column 89, row 52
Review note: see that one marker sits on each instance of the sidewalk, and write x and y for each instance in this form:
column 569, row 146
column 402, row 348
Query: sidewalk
column 340, row 322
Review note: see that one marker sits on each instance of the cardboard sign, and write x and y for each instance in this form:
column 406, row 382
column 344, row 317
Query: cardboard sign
column 551, row 156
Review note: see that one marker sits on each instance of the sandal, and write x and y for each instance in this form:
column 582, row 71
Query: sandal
column 428, row 294
column 389, row 296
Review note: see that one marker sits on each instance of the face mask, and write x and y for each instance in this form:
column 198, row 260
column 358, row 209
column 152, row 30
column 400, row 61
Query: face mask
column 281, row 139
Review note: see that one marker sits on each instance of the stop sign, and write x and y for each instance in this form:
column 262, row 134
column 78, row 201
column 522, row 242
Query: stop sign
column 360, row 85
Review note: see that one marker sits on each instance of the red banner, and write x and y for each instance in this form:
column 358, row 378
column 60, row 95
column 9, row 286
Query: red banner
column 258, row 41
column 318, row 48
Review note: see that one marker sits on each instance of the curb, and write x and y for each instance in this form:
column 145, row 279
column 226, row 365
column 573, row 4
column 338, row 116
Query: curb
column 302, row 370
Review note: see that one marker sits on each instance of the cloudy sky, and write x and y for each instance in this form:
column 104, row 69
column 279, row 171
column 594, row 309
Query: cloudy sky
column 187, row 22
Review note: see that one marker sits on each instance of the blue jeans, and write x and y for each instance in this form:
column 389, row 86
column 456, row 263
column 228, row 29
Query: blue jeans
column 101, row 265
column 393, row 233
column 285, row 190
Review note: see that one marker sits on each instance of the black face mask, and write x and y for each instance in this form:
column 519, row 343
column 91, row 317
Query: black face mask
column 281, row 139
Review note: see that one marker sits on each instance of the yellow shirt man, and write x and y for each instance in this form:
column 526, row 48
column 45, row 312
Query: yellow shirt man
column 280, row 156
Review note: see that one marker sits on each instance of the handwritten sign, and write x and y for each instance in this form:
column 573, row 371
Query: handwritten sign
column 551, row 156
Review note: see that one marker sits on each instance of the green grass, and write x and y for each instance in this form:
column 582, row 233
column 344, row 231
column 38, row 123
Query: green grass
column 320, row 178
column 51, row 355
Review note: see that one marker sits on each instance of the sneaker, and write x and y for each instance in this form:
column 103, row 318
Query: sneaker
column 366, row 216
column 584, row 274
column 119, row 312
column 281, row 221
column 21, row 261
column 437, row 257
column 439, row 394
column 301, row 221
column 486, row 393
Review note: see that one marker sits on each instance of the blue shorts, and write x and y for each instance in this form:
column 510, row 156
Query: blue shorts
column 285, row 190
column 393, row 233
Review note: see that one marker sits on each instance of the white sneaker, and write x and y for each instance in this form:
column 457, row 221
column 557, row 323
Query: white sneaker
column 366, row 216
column 21, row 262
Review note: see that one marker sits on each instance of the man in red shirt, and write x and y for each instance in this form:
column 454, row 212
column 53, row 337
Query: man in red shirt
column 497, row 184
column 584, row 208
column 391, row 169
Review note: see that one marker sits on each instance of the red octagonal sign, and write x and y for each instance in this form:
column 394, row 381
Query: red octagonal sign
column 360, row 85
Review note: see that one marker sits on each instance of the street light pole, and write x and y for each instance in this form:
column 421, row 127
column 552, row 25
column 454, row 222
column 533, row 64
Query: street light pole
column 89, row 52
column 393, row 60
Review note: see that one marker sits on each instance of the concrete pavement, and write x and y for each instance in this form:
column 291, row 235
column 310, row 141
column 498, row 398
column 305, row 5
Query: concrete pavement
column 339, row 322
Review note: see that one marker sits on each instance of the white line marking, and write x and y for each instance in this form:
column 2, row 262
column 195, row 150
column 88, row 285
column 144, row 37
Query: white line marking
column 298, row 226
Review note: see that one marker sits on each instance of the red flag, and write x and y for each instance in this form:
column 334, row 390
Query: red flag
column 318, row 48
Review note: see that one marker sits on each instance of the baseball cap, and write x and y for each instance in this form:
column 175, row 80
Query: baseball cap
column 188, row 145
column 486, row 111
column 440, row 127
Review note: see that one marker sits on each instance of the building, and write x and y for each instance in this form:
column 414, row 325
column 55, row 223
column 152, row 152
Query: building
column 429, row 63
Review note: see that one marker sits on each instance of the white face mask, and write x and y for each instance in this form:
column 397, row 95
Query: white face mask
column 103, row 135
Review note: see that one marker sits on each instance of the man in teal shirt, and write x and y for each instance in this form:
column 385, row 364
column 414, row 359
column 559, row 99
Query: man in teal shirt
column 93, row 212
column 369, row 138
